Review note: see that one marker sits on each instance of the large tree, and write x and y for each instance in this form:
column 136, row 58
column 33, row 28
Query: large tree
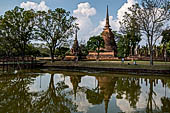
column 95, row 43
column 54, row 27
column 152, row 16
column 131, row 29
column 16, row 28
column 166, row 42
column 123, row 46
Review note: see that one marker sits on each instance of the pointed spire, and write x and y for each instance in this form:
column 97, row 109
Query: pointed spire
column 107, row 19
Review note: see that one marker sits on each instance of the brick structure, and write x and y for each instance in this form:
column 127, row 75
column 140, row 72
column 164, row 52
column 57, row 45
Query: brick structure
column 108, row 36
column 110, row 47
column 75, row 50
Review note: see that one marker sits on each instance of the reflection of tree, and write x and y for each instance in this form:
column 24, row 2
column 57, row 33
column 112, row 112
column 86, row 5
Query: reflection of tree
column 149, row 107
column 54, row 99
column 129, row 87
column 14, row 94
column 94, row 96
column 165, row 104
column 168, row 83
column 75, row 80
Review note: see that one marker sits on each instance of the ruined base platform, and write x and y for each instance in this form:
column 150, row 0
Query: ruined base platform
column 106, row 55
column 70, row 58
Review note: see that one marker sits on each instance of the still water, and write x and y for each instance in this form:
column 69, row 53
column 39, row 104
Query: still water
column 78, row 92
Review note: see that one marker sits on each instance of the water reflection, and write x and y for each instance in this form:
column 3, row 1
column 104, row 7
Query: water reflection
column 70, row 92
column 14, row 95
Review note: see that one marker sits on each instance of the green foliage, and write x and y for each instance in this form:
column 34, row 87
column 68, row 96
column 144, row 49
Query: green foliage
column 83, row 49
column 54, row 99
column 166, row 40
column 123, row 46
column 61, row 51
column 166, row 36
column 17, row 89
column 94, row 97
column 129, row 87
column 95, row 43
column 54, row 28
column 150, row 24
column 31, row 50
column 131, row 28
column 16, row 28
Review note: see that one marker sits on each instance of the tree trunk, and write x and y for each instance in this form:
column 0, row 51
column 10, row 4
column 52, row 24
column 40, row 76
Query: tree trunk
column 52, row 55
column 151, row 55
column 165, row 53
column 97, row 59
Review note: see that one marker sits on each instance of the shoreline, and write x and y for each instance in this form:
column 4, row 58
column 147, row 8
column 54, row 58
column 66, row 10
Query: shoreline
column 117, row 70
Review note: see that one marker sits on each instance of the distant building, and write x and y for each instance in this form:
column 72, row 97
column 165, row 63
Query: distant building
column 75, row 50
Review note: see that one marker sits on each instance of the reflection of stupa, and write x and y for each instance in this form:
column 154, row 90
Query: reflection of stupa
column 106, row 85
column 75, row 80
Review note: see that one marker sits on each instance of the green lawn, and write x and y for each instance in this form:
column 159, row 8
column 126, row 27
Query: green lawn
column 114, row 64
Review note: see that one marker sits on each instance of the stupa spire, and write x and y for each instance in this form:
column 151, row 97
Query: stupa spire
column 107, row 18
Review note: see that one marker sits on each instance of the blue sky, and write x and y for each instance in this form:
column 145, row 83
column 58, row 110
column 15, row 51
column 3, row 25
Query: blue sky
column 90, row 23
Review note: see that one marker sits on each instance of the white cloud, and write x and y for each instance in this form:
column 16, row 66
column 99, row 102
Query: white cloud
column 124, row 9
column 83, row 14
column 114, row 23
column 32, row 5
column 84, row 9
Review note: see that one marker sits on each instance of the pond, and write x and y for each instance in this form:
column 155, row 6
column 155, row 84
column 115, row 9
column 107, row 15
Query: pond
column 81, row 92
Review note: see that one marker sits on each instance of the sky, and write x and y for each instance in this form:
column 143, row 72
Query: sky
column 90, row 13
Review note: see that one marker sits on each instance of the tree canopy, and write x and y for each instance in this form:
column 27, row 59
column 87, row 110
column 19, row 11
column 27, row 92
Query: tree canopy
column 54, row 27
column 17, row 28
column 95, row 43
column 151, row 16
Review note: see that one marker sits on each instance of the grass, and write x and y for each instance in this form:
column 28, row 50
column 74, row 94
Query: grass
column 114, row 64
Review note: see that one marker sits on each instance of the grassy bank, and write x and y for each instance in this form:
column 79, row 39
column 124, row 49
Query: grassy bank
column 114, row 64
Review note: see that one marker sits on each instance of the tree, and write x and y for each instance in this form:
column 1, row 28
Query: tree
column 166, row 36
column 43, row 49
column 55, row 99
column 17, row 27
column 151, row 16
column 31, row 50
column 166, row 42
column 131, row 29
column 123, row 46
column 54, row 27
column 15, row 93
column 61, row 51
column 95, row 43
